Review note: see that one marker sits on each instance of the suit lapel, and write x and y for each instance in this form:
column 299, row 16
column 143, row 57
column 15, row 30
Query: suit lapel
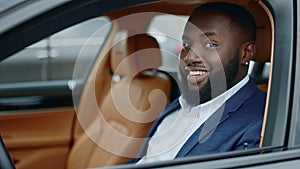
column 223, row 113
column 204, row 131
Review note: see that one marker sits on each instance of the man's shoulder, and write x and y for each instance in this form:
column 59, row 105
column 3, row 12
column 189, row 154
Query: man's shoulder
column 259, row 95
column 252, row 89
column 255, row 104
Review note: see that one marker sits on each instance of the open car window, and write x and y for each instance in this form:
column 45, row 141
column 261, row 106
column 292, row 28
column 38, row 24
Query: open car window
column 43, row 72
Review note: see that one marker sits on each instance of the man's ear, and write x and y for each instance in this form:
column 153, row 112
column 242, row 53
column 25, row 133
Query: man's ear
column 248, row 50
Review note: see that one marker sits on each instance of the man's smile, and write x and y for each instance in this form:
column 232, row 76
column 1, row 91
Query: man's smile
column 196, row 74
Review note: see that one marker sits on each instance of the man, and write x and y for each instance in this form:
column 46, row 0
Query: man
column 220, row 109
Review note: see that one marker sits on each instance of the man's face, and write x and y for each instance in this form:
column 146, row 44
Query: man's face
column 210, row 59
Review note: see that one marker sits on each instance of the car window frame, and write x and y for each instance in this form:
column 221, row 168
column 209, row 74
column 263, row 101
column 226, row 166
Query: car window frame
column 279, row 108
column 294, row 134
column 278, row 127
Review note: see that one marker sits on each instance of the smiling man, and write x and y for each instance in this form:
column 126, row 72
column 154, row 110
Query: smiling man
column 220, row 109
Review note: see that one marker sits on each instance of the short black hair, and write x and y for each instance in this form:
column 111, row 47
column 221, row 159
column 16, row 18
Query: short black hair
column 237, row 14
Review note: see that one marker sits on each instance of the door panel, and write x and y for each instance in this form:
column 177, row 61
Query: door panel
column 38, row 139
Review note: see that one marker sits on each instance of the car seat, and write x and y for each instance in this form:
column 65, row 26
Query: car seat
column 137, row 95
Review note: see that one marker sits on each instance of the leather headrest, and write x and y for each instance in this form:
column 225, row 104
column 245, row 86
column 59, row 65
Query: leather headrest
column 133, row 54
column 264, row 30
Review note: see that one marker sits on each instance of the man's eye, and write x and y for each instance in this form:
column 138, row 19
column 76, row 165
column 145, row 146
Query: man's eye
column 211, row 45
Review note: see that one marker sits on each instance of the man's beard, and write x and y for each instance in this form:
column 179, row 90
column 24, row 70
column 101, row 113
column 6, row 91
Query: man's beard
column 209, row 91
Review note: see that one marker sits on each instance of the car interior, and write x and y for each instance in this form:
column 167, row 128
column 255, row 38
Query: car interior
column 123, row 94
column 122, row 73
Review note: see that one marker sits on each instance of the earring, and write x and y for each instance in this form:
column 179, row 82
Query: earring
column 247, row 63
column 186, row 68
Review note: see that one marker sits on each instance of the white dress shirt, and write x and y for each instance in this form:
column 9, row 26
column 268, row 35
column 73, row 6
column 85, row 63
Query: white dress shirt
column 176, row 128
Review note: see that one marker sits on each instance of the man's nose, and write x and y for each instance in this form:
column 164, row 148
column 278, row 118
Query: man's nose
column 192, row 56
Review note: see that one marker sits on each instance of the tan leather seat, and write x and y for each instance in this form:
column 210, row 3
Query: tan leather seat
column 264, row 36
column 137, row 95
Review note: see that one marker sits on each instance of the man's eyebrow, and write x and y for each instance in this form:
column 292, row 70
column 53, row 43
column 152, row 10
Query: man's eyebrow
column 208, row 34
column 203, row 35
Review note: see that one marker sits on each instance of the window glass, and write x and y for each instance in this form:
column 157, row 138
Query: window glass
column 42, row 75
column 53, row 58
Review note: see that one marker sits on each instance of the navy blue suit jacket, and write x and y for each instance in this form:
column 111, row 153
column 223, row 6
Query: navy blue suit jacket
column 236, row 124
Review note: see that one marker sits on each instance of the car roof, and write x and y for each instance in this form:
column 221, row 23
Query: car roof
column 15, row 12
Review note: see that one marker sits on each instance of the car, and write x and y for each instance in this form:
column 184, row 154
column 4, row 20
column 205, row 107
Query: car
column 66, row 90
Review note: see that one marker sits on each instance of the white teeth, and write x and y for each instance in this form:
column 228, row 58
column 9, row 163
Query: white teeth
column 197, row 73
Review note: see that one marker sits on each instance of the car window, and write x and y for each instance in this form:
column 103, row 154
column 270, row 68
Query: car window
column 52, row 58
column 283, row 111
column 50, row 62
